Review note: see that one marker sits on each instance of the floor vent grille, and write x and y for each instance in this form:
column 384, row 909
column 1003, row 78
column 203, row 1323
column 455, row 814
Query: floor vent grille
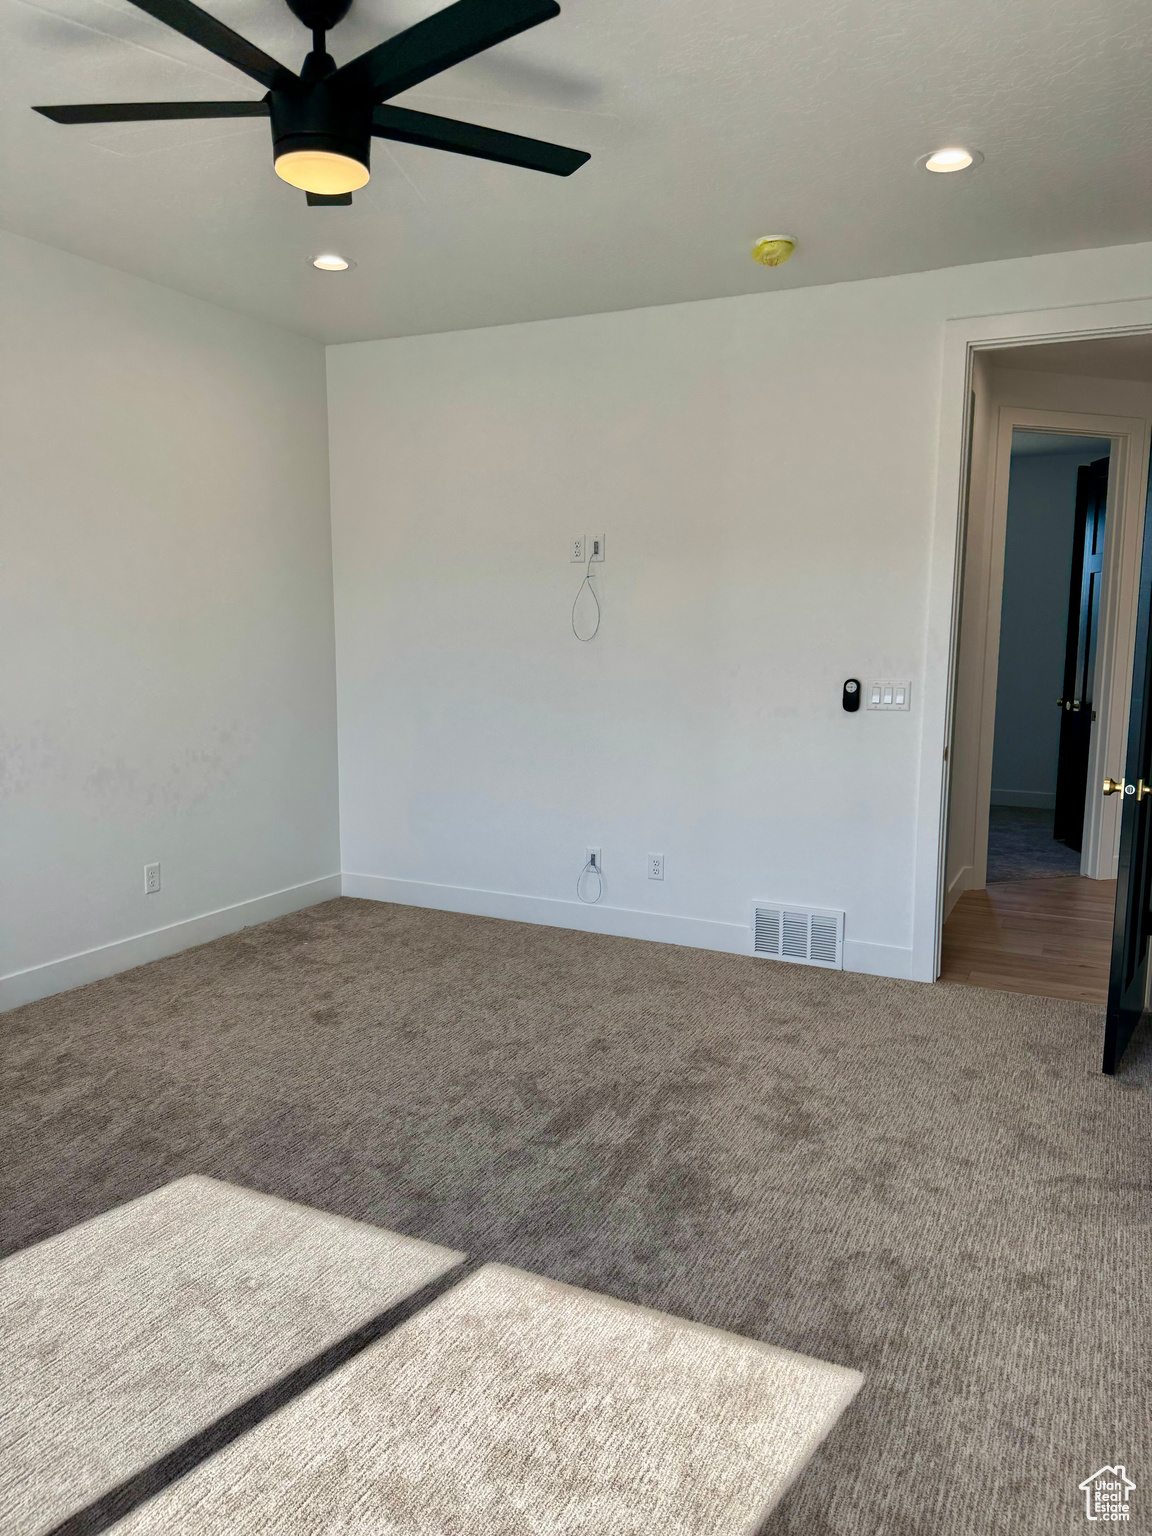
column 808, row 935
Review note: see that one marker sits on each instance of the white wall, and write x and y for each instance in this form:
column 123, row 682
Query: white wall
column 763, row 469
column 167, row 685
column 1033, row 626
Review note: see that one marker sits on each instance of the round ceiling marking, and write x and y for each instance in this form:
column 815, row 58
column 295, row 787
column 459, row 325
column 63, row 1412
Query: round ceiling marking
column 773, row 250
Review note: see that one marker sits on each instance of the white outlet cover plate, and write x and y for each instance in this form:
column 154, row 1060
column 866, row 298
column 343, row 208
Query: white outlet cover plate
column 595, row 547
column 655, row 866
column 594, row 852
column 576, row 549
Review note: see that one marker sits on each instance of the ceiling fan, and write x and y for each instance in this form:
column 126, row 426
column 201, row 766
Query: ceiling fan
column 324, row 118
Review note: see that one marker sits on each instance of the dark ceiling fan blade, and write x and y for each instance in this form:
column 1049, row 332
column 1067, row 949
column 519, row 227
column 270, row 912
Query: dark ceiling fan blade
column 470, row 139
column 184, row 17
column 449, row 37
column 152, row 111
column 329, row 199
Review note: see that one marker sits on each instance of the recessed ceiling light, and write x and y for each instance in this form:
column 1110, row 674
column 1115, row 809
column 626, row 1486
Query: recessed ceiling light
column 332, row 263
column 941, row 161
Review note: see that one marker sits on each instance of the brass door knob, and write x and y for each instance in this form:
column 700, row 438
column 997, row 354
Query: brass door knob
column 1113, row 786
column 1142, row 789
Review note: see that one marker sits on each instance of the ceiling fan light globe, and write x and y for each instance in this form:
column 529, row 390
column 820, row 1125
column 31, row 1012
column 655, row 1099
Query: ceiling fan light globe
column 322, row 171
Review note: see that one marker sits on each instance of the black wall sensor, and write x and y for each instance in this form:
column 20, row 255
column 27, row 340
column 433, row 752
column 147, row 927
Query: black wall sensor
column 851, row 699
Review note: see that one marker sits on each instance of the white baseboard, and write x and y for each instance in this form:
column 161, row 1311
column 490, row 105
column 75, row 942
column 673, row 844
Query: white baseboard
column 93, row 964
column 622, row 922
column 588, row 917
column 960, row 882
column 1026, row 799
column 878, row 959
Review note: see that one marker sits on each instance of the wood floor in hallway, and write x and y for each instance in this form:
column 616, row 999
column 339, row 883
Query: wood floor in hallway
column 1049, row 938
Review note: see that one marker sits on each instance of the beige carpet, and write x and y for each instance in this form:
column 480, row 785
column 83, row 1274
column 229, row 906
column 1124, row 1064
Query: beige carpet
column 514, row 1406
column 932, row 1184
column 127, row 1335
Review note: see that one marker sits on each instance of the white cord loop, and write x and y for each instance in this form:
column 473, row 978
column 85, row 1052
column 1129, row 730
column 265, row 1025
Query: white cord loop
column 587, row 582
column 591, row 865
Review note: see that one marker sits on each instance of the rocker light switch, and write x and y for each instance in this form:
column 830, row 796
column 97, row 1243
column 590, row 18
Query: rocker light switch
column 889, row 695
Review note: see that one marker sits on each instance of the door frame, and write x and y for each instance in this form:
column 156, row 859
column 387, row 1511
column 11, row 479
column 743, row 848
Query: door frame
column 985, row 542
column 963, row 338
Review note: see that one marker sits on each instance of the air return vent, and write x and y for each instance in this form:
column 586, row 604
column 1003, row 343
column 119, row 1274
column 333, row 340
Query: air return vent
column 807, row 934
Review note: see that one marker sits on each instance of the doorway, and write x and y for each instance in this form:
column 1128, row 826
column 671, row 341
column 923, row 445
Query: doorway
column 1049, row 629
column 1040, row 922
column 1046, row 631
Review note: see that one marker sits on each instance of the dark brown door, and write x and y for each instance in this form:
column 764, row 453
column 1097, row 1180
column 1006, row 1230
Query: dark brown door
column 1080, row 653
column 1129, row 982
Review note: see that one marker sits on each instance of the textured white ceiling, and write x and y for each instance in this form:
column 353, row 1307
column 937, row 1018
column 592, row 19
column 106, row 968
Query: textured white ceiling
column 708, row 125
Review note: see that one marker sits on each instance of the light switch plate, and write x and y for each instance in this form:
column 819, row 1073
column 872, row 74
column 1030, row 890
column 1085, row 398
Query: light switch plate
column 888, row 696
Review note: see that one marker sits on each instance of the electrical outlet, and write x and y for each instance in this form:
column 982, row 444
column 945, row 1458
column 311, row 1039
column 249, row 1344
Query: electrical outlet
column 576, row 548
column 594, row 859
column 151, row 879
column 595, row 546
column 655, row 866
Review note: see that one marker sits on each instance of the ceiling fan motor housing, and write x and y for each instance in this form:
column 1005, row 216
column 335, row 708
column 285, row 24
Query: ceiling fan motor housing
column 320, row 15
column 315, row 114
